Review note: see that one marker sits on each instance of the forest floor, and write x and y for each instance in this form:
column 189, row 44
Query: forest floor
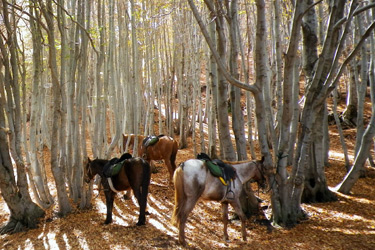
column 348, row 223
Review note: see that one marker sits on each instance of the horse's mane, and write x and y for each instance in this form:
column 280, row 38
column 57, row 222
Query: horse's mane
column 101, row 161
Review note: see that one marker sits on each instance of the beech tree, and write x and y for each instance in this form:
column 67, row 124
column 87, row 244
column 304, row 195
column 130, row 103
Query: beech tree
column 24, row 213
column 102, row 68
column 308, row 163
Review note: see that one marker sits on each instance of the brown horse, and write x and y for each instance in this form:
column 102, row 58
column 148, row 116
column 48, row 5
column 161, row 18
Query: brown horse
column 131, row 138
column 164, row 149
column 135, row 174
column 193, row 180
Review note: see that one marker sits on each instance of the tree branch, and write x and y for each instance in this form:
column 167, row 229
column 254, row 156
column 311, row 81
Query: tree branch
column 220, row 63
column 351, row 55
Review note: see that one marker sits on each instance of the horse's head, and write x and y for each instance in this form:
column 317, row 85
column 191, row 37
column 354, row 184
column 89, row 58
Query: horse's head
column 260, row 176
column 89, row 172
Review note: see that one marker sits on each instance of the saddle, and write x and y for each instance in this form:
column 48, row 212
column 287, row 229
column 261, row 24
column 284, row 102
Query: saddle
column 151, row 140
column 113, row 166
column 225, row 172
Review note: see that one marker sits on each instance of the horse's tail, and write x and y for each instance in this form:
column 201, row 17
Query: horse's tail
column 179, row 196
column 144, row 192
column 146, row 178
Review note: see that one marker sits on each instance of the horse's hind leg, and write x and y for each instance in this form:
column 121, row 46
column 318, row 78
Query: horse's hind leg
column 237, row 207
column 170, row 169
column 189, row 205
column 224, row 209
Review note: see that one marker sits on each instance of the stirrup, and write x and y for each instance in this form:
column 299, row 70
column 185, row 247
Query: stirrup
column 229, row 195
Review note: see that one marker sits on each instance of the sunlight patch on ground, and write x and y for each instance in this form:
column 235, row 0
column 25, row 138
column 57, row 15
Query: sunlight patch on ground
column 29, row 244
column 66, row 240
column 49, row 241
column 160, row 206
column 341, row 217
column 162, row 223
column 161, row 227
column 345, row 231
column 102, row 208
column 356, row 199
column 339, row 156
column 81, row 240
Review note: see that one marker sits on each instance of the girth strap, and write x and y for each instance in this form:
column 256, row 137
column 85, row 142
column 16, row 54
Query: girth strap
column 229, row 195
column 111, row 185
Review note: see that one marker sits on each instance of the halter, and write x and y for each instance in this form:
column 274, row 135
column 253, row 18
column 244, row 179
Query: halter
column 260, row 169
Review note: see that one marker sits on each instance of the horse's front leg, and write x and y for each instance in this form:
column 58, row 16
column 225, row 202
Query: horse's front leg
column 224, row 209
column 237, row 207
column 109, row 198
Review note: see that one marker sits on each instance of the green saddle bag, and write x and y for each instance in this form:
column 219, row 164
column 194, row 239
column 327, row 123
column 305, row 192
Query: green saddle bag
column 214, row 169
column 150, row 140
column 114, row 169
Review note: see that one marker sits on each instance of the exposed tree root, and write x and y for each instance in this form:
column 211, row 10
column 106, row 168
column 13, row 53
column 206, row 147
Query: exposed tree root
column 13, row 226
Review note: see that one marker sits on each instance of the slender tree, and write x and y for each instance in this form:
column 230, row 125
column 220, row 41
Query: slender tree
column 24, row 213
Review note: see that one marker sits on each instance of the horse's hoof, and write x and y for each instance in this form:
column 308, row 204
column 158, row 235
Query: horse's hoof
column 147, row 213
column 107, row 222
column 140, row 223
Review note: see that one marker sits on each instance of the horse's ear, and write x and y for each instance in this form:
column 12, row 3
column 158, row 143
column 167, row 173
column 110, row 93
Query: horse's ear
column 262, row 160
column 88, row 159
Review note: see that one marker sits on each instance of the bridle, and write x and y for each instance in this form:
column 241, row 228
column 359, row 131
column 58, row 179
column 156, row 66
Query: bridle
column 263, row 176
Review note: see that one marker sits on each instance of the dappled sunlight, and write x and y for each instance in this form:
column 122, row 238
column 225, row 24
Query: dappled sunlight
column 345, row 224
column 339, row 156
column 339, row 217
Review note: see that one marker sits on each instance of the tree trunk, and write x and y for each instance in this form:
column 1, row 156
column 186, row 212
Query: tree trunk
column 24, row 213
column 57, row 170
column 235, row 93
column 226, row 147
column 212, row 117
column 315, row 186
column 367, row 140
column 36, row 167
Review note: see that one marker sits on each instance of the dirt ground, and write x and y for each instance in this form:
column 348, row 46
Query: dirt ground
column 348, row 223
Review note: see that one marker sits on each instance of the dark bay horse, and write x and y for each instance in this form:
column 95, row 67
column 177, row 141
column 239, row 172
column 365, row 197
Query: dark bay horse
column 135, row 174
column 164, row 149
column 192, row 181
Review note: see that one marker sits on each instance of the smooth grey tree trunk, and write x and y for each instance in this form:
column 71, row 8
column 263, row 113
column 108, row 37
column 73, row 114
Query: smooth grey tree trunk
column 238, row 123
column 57, row 170
column 23, row 211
